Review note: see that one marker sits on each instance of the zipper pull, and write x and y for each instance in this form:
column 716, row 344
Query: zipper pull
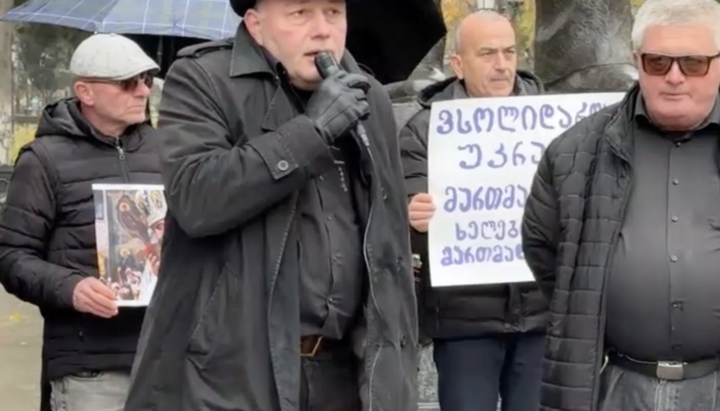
column 120, row 150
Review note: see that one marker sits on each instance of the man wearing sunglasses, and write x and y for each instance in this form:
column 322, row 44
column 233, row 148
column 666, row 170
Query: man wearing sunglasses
column 47, row 235
column 622, row 230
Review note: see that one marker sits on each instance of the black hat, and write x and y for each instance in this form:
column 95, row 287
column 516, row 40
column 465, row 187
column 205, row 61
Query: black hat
column 241, row 6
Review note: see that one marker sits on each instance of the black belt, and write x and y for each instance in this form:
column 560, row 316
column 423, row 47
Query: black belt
column 666, row 370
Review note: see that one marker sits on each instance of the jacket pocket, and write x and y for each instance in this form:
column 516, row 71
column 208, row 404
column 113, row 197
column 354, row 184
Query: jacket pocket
column 207, row 335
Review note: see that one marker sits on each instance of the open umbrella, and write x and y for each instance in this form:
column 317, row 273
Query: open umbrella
column 160, row 27
column 389, row 37
column 203, row 19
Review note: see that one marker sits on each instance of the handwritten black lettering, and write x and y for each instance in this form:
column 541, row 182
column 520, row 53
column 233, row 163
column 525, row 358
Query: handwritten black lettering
column 495, row 253
column 482, row 198
column 502, row 156
column 498, row 230
column 513, row 118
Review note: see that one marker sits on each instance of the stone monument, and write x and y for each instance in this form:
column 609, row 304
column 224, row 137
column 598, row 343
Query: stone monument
column 584, row 45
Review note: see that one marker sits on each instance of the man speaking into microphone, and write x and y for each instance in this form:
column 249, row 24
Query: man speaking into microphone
column 285, row 282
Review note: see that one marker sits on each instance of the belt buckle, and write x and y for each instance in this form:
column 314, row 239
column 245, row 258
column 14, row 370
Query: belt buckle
column 670, row 370
column 315, row 349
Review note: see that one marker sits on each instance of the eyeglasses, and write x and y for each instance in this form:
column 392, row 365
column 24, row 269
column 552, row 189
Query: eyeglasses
column 130, row 84
column 690, row 66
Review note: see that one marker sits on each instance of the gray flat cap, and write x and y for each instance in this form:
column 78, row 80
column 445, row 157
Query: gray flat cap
column 110, row 57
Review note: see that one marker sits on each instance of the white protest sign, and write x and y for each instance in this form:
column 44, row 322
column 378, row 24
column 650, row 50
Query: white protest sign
column 482, row 156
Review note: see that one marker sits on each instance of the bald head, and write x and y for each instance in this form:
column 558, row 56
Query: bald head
column 480, row 23
column 485, row 56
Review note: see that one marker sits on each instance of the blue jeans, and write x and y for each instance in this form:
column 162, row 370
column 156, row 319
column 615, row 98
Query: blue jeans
column 623, row 390
column 473, row 373
column 105, row 391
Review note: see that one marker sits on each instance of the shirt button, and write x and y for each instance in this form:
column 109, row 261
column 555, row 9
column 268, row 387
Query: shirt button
column 673, row 258
column 676, row 182
column 283, row 165
column 675, row 218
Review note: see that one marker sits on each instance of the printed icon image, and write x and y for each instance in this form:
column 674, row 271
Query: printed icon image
column 129, row 224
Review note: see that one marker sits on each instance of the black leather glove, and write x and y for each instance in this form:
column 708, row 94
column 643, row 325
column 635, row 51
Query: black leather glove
column 338, row 104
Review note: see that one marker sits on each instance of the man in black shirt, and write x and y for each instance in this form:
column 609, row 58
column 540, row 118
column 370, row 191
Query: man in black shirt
column 621, row 230
column 285, row 281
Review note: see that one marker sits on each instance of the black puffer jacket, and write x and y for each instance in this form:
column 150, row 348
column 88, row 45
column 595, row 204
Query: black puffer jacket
column 47, row 234
column 571, row 223
column 466, row 311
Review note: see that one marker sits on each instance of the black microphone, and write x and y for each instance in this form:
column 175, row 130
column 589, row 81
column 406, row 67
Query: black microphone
column 327, row 66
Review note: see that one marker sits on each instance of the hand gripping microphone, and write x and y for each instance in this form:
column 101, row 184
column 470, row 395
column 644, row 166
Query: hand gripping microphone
column 327, row 66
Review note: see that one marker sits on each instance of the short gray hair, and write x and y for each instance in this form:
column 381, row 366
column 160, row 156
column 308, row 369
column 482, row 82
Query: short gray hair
column 675, row 12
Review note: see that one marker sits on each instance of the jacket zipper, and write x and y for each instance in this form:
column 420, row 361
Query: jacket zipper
column 126, row 179
column 121, row 160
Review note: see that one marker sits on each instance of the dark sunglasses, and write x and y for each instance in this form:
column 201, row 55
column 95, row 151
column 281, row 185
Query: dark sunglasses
column 128, row 84
column 690, row 66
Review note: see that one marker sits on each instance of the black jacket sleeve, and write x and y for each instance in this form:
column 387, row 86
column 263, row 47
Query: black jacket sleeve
column 26, row 224
column 541, row 227
column 413, row 152
column 213, row 186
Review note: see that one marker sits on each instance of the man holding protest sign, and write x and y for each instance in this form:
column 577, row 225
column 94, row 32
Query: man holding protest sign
column 622, row 230
column 488, row 340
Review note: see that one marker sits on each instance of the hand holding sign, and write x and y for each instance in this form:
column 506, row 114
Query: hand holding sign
column 421, row 210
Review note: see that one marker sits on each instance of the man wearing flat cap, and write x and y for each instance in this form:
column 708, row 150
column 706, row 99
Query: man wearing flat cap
column 47, row 231
column 285, row 281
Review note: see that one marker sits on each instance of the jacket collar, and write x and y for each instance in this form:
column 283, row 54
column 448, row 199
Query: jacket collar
column 247, row 56
column 618, row 126
column 130, row 139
